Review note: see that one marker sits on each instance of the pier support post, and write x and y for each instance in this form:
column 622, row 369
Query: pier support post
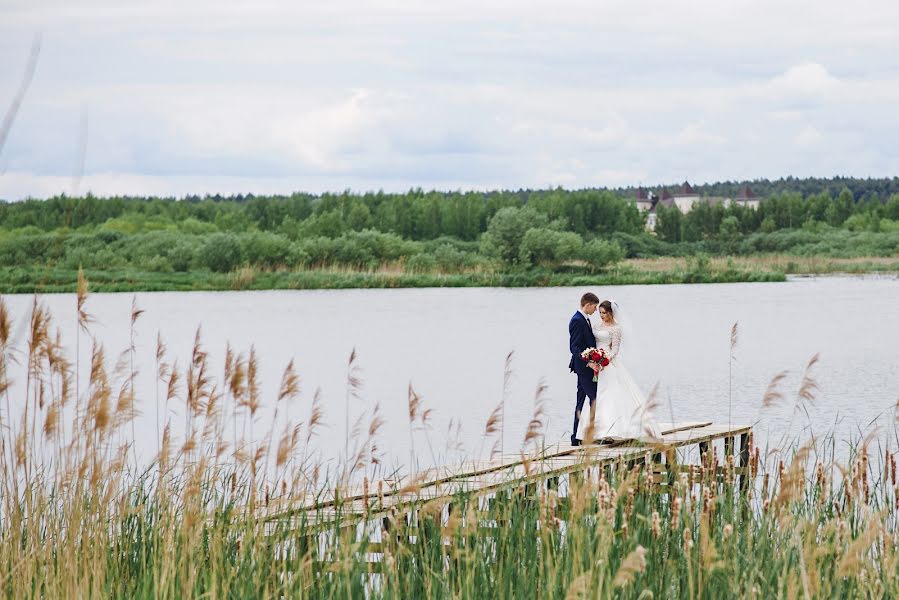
column 744, row 461
column 671, row 465
column 703, row 453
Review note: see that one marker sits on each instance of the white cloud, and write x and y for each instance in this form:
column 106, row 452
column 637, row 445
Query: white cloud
column 808, row 78
column 396, row 93
column 809, row 136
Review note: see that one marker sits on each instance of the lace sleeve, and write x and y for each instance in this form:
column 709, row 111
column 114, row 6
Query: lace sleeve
column 615, row 343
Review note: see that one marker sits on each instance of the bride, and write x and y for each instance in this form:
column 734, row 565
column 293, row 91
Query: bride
column 620, row 410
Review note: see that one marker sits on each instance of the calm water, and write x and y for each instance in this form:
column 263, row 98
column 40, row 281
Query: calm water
column 451, row 344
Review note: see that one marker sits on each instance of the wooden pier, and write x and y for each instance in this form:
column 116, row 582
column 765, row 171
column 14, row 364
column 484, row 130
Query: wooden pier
column 706, row 444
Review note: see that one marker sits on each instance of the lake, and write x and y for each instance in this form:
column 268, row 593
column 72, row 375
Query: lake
column 452, row 344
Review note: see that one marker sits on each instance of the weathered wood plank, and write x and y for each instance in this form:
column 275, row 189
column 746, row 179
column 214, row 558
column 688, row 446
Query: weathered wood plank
column 506, row 472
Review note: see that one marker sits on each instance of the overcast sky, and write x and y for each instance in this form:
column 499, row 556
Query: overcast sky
column 221, row 96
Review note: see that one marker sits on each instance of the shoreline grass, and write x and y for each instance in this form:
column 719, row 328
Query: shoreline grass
column 652, row 271
column 15, row 280
column 778, row 263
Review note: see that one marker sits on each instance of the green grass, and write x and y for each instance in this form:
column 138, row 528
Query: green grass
column 15, row 280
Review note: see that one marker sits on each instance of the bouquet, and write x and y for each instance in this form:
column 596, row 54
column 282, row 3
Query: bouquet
column 596, row 355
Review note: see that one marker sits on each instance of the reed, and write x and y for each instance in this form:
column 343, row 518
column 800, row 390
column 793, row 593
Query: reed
column 209, row 520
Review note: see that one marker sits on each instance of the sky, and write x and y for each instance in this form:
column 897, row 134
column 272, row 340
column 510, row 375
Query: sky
column 220, row 96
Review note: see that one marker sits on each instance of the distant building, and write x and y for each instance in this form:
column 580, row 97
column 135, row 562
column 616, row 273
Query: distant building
column 684, row 199
column 644, row 201
column 747, row 198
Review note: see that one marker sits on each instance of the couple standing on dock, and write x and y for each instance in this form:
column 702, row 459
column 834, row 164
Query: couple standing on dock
column 617, row 409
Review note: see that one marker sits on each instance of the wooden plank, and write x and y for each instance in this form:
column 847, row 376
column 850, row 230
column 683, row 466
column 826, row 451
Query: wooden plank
column 504, row 472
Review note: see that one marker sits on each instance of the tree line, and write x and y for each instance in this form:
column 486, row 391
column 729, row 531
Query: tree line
column 783, row 211
column 450, row 232
column 415, row 215
column 860, row 188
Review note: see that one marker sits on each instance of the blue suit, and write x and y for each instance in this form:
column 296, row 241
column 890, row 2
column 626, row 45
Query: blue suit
column 580, row 336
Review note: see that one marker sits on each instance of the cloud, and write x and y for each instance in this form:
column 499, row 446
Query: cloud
column 809, row 136
column 393, row 93
column 809, row 78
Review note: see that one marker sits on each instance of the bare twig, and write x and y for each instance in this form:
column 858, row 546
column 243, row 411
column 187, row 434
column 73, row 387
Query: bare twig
column 13, row 109
column 730, row 373
column 81, row 157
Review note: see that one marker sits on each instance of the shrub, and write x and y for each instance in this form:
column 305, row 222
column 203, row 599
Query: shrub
column 469, row 247
column 729, row 228
column 196, row 227
column 182, row 255
column 109, row 236
column 600, row 254
column 104, row 258
column 298, row 257
column 542, row 246
column 143, row 247
column 221, row 252
column 450, row 259
column 319, row 250
column 265, row 249
column 421, row 263
column 381, row 246
column 158, row 264
column 642, row 245
column 122, row 226
column 352, row 252
column 85, row 242
column 30, row 249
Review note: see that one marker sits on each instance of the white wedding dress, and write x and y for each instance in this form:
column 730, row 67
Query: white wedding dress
column 620, row 411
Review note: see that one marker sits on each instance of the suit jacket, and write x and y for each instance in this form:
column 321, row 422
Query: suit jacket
column 580, row 337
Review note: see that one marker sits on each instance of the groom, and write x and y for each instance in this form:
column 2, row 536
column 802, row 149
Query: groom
column 580, row 335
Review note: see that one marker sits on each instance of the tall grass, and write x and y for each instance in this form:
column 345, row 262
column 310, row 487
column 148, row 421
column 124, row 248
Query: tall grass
column 26, row 280
column 209, row 518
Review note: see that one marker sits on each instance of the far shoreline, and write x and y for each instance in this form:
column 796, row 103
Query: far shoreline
column 664, row 271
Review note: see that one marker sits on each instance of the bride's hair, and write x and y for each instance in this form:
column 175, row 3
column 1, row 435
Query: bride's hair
column 608, row 307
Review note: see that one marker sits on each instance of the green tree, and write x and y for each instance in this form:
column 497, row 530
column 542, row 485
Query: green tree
column 601, row 254
column 891, row 208
column 507, row 228
column 359, row 217
column 265, row 249
column 816, row 207
column 669, row 223
column 841, row 208
column 327, row 224
column 548, row 247
column 730, row 228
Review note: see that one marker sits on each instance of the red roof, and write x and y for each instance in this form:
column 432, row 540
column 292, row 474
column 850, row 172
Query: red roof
column 641, row 194
column 665, row 199
column 746, row 194
column 686, row 190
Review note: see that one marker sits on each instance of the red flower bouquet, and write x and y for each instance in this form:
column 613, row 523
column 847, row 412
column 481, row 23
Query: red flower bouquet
column 595, row 355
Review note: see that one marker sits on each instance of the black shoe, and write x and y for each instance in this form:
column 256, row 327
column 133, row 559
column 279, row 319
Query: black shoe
column 575, row 442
